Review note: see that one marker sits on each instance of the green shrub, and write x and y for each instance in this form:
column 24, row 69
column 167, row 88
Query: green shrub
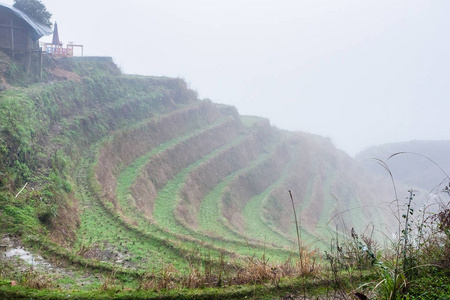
column 47, row 213
column 21, row 218
column 16, row 75
column 22, row 170
column 433, row 286
column 67, row 186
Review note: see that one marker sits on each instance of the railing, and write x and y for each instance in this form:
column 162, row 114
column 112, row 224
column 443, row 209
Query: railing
column 59, row 50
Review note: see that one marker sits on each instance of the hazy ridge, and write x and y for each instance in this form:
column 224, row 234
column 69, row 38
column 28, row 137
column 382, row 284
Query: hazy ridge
column 418, row 166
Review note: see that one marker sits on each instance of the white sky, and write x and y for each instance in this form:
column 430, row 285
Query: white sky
column 361, row 72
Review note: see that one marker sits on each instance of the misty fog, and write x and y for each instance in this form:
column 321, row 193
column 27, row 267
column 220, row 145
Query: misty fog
column 360, row 72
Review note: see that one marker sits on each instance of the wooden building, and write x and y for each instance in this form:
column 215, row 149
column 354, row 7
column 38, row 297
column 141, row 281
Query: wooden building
column 18, row 32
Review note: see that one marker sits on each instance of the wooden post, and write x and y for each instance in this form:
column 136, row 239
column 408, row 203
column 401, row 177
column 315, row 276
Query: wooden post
column 29, row 53
column 40, row 63
column 12, row 37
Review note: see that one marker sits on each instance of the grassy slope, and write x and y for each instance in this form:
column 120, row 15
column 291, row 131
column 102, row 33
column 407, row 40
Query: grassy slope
column 210, row 222
column 99, row 228
column 167, row 200
column 255, row 226
column 51, row 137
column 130, row 173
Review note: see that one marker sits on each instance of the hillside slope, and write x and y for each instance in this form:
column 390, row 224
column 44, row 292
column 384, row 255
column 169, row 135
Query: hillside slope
column 109, row 170
column 419, row 168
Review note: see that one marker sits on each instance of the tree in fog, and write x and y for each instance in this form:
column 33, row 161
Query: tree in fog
column 35, row 9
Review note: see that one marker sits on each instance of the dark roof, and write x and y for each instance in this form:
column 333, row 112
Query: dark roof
column 38, row 30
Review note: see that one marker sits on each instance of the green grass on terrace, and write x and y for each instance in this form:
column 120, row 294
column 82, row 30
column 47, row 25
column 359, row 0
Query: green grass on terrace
column 255, row 226
column 249, row 121
column 128, row 176
column 168, row 198
column 211, row 221
column 99, row 229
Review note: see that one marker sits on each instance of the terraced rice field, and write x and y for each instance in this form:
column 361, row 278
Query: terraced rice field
column 176, row 221
column 188, row 181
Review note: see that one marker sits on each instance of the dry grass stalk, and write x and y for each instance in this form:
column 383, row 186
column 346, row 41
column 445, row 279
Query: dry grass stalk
column 167, row 277
column 194, row 279
column 108, row 282
column 36, row 280
column 147, row 282
column 298, row 232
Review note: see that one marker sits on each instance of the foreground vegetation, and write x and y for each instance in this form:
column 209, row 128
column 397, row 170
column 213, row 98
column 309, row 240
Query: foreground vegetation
column 355, row 266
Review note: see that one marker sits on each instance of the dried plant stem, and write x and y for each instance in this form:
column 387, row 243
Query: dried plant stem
column 21, row 190
column 298, row 233
column 406, row 230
